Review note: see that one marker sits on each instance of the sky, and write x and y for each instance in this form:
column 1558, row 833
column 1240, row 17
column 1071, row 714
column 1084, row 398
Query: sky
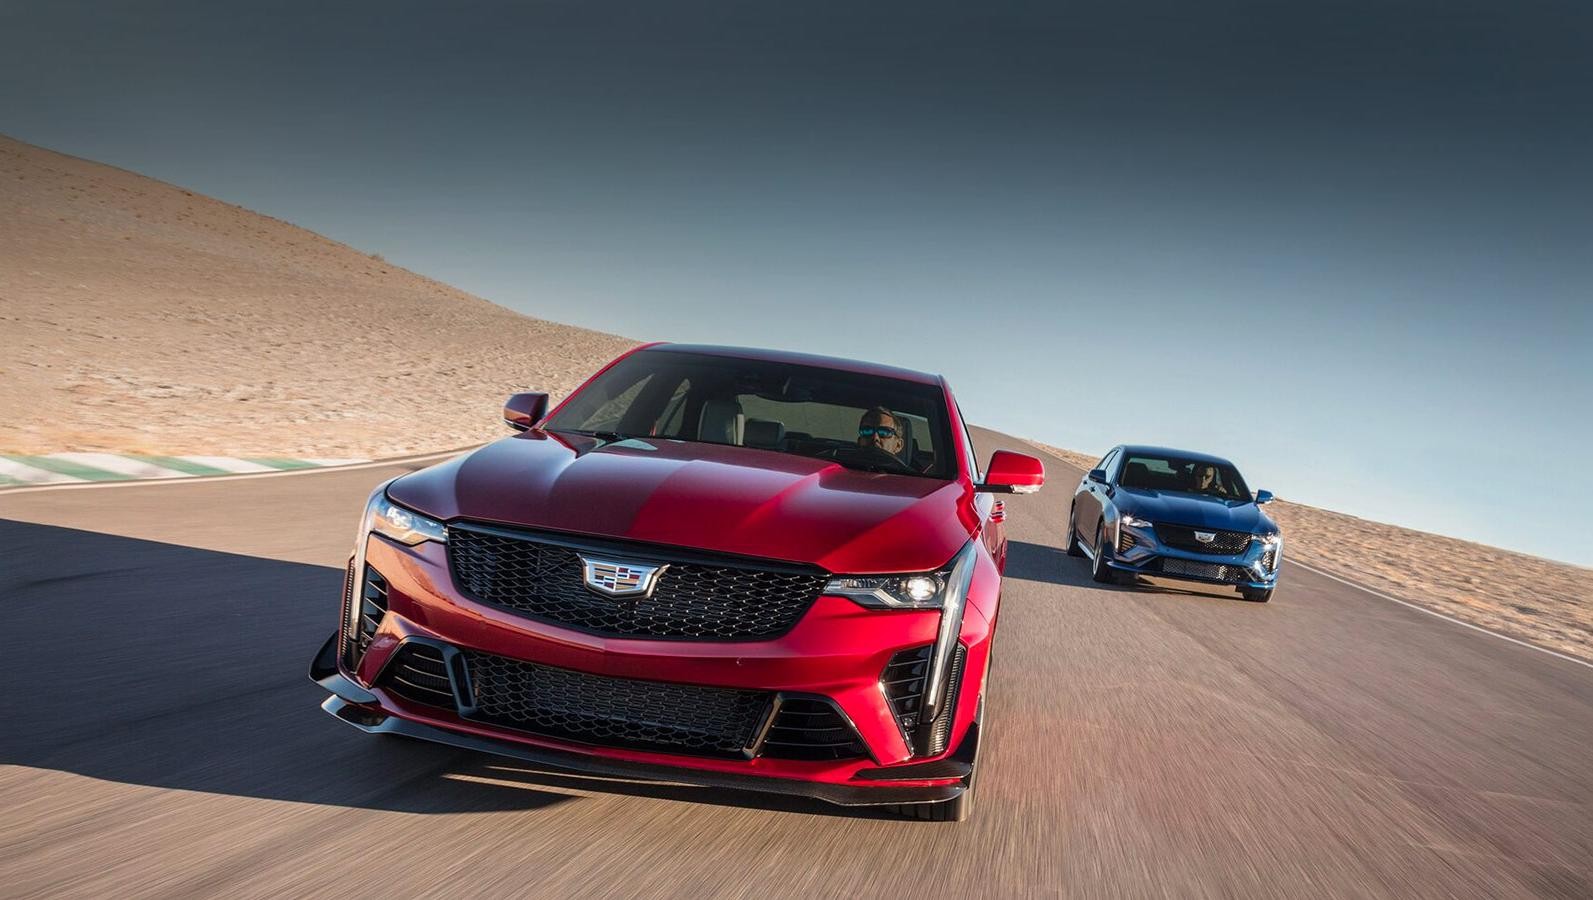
column 1347, row 245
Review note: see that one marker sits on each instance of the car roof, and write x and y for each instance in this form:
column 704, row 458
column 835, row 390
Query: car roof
column 801, row 359
column 1169, row 451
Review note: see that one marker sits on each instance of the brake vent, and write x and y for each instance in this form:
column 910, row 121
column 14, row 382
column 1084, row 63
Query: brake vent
column 418, row 672
column 904, row 680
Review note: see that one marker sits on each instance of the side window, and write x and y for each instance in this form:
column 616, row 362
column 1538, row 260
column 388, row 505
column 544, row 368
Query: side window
column 1115, row 462
column 1105, row 464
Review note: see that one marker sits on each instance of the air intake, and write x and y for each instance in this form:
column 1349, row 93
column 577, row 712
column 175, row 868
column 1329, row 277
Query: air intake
column 811, row 728
column 419, row 673
column 373, row 606
column 903, row 682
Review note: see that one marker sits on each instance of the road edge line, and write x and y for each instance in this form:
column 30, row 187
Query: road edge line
column 1446, row 617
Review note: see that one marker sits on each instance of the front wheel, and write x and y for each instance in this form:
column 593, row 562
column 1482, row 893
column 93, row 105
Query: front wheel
column 1073, row 533
column 1099, row 570
column 1256, row 595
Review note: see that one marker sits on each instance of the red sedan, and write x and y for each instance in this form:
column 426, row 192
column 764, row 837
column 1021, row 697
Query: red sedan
column 716, row 566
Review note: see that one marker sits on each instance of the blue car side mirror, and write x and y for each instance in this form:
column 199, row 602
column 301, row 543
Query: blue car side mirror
column 1097, row 475
column 1263, row 497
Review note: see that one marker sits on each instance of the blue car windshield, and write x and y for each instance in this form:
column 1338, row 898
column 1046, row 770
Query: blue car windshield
column 1189, row 476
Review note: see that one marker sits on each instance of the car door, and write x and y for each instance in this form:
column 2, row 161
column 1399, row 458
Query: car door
column 1088, row 502
column 991, row 509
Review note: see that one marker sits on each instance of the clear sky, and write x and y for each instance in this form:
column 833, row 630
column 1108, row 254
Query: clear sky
column 1348, row 245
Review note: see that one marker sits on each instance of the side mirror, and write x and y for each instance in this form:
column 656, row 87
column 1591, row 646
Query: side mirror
column 1012, row 473
column 1097, row 475
column 1263, row 497
column 521, row 411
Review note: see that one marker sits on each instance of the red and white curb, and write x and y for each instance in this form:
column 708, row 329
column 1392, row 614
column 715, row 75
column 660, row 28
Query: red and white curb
column 76, row 468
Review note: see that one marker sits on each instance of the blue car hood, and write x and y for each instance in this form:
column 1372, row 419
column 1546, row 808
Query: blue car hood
column 1177, row 508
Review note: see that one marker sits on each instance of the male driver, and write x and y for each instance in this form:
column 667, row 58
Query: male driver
column 879, row 428
column 1207, row 482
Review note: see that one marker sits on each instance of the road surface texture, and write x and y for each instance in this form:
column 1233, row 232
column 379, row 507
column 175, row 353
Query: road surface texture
column 158, row 737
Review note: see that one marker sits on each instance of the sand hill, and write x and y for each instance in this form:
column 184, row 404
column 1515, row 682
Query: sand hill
column 139, row 317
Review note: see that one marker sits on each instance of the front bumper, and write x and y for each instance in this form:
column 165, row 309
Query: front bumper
column 837, row 651
column 1147, row 556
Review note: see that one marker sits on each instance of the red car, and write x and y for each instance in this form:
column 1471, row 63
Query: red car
column 738, row 568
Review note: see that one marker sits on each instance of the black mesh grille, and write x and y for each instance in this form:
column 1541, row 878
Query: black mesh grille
column 1223, row 543
column 417, row 672
column 543, row 580
column 615, row 712
column 1213, row 571
column 811, row 728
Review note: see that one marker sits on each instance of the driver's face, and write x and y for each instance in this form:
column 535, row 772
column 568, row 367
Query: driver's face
column 1207, row 476
column 879, row 431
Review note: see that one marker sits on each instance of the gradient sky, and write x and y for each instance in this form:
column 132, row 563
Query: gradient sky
column 1348, row 245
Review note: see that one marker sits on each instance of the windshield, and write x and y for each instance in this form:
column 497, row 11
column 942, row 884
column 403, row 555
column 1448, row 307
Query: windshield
column 1189, row 476
column 867, row 422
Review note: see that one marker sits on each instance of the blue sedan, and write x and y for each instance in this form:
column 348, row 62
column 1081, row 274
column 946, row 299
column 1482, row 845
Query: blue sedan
column 1174, row 514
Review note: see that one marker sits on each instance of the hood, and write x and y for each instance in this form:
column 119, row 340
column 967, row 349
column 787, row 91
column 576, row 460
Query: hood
column 1176, row 508
column 711, row 497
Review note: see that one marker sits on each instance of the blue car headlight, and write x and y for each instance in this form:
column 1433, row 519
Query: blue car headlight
column 1135, row 521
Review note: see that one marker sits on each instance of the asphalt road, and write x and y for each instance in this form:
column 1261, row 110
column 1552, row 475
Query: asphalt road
column 158, row 737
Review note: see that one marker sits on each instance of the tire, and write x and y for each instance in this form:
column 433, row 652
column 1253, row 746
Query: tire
column 1255, row 595
column 1099, row 570
column 1073, row 534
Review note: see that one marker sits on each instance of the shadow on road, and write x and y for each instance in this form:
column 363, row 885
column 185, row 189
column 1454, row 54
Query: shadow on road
column 155, row 664
column 1052, row 565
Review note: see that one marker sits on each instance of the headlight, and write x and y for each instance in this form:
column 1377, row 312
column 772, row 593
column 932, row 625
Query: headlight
column 1271, row 540
column 1135, row 521
column 924, row 590
column 388, row 519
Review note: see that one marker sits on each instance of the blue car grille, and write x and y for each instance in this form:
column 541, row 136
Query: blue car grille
column 1223, row 543
column 1211, row 571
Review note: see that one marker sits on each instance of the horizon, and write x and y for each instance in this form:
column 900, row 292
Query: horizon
column 1365, row 281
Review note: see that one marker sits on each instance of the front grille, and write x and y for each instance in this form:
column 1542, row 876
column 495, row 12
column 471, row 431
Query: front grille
column 811, row 728
column 418, row 672
column 1212, row 571
column 542, row 579
column 1182, row 537
column 614, row 712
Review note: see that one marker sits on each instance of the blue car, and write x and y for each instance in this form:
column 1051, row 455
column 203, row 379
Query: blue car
column 1174, row 514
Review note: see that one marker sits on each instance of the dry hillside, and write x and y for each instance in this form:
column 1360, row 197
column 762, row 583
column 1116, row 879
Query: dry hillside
column 140, row 317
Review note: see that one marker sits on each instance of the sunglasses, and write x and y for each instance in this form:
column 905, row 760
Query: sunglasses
column 884, row 431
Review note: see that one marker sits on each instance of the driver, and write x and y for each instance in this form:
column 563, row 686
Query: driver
column 879, row 429
column 1206, row 480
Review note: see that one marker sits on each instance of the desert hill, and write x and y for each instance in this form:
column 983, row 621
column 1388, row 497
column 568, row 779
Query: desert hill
column 140, row 317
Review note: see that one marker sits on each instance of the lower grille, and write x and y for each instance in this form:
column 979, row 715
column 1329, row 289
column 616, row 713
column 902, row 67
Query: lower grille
column 811, row 728
column 418, row 672
column 614, row 712
column 1212, row 571
column 1222, row 543
column 1125, row 541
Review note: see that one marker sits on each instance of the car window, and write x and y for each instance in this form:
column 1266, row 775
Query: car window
column 1112, row 459
column 783, row 407
column 1154, row 471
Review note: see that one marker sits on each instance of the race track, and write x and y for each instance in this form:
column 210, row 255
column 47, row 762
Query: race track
column 158, row 737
